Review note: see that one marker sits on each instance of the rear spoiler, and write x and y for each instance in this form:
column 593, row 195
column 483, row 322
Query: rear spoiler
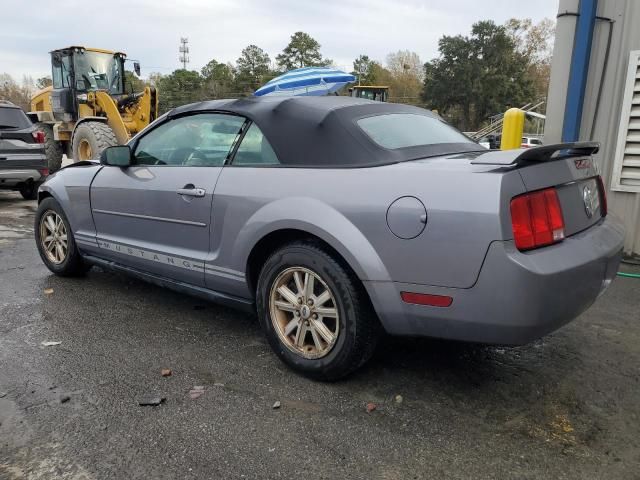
column 537, row 154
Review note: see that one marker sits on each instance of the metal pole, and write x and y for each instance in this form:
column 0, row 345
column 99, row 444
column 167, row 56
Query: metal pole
column 579, row 70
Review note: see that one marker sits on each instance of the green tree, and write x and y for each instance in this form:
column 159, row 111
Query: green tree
column 302, row 51
column 252, row 68
column 132, row 84
column 364, row 69
column 218, row 79
column 380, row 75
column 179, row 88
column 477, row 76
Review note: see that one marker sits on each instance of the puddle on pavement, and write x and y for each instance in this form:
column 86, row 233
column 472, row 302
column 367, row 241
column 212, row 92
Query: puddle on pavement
column 16, row 217
column 13, row 232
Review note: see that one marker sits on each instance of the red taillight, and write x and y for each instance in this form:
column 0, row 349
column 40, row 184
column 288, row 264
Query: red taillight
column 44, row 172
column 426, row 299
column 603, row 197
column 536, row 219
column 38, row 136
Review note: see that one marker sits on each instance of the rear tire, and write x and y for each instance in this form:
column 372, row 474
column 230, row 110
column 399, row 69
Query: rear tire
column 350, row 323
column 29, row 191
column 53, row 148
column 52, row 225
column 90, row 139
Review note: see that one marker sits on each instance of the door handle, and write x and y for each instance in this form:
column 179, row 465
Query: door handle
column 191, row 191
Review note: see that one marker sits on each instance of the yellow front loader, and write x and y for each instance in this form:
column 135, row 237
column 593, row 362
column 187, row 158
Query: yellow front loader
column 88, row 109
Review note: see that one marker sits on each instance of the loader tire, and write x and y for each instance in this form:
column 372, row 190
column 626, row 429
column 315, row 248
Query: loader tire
column 53, row 148
column 90, row 139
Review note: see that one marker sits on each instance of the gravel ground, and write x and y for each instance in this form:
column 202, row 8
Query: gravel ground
column 567, row 406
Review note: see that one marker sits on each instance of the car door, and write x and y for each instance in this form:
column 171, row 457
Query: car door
column 232, row 204
column 156, row 214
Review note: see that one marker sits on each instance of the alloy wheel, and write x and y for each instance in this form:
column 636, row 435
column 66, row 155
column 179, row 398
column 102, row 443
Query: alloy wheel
column 53, row 237
column 304, row 312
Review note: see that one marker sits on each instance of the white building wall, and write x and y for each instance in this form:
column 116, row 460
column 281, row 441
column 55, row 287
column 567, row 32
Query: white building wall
column 607, row 76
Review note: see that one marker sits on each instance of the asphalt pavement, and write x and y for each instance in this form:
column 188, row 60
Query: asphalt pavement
column 564, row 407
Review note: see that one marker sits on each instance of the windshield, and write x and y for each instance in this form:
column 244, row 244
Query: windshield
column 98, row 71
column 401, row 130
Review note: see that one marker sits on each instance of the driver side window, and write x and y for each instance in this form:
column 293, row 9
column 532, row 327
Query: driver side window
column 202, row 140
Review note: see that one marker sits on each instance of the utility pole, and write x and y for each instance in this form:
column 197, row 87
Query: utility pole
column 184, row 52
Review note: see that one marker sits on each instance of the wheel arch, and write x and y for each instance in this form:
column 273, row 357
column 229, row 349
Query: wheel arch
column 313, row 220
column 59, row 195
column 274, row 240
column 277, row 238
column 97, row 135
column 85, row 120
column 42, row 195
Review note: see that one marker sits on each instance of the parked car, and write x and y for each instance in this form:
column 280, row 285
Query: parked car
column 528, row 142
column 23, row 163
column 338, row 218
column 491, row 141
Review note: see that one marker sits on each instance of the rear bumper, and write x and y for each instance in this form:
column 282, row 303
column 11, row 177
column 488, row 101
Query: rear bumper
column 18, row 169
column 518, row 296
column 16, row 176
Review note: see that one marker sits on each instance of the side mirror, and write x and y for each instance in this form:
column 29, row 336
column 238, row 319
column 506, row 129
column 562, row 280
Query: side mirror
column 116, row 156
column 136, row 68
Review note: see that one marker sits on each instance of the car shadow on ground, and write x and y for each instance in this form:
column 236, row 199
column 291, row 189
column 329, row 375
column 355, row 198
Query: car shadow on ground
column 424, row 361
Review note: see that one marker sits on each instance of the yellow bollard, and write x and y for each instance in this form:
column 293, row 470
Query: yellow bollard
column 512, row 129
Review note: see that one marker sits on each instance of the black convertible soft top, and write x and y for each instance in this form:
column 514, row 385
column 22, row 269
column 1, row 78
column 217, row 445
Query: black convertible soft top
column 322, row 131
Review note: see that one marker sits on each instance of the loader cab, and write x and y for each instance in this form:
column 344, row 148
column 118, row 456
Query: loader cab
column 77, row 71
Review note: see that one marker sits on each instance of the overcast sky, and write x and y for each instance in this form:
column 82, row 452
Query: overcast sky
column 150, row 30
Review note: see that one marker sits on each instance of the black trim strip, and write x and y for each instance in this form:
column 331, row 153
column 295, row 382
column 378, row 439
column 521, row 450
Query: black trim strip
column 149, row 217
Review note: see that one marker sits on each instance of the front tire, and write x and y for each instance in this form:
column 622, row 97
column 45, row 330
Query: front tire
column 315, row 313
column 90, row 139
column 55, row 241
column 53, row 148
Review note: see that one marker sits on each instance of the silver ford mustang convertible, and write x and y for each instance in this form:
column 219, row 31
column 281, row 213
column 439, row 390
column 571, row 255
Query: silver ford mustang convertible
column 337, row 219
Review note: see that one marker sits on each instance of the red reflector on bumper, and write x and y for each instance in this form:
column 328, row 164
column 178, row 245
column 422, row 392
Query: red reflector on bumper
column 426, row 299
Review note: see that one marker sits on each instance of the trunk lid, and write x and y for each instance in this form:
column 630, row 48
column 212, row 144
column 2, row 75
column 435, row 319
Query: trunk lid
column 15, row 151
column 577, row 186
column 18, row 146
column 569, row 168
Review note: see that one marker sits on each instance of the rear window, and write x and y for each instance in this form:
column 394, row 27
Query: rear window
column 12, row 118
column 401, row 130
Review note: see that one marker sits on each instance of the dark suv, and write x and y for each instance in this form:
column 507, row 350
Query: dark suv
column 23, row 163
